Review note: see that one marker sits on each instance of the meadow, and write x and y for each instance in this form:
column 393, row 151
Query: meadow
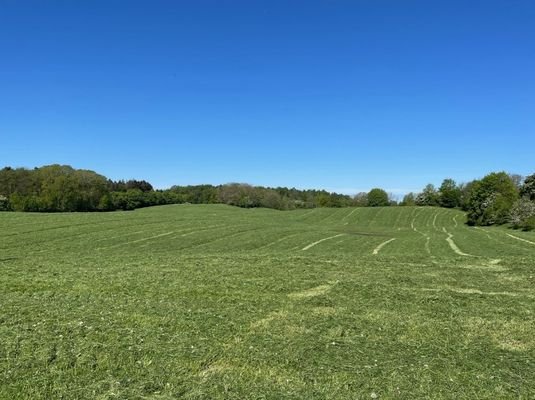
column 216, row 302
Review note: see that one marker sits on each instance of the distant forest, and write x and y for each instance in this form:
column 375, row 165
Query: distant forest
column 498, row 198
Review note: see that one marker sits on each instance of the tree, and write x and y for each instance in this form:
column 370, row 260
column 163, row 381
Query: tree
column 466, row 192
column 428, row 197
column 528, row 187
column 323, row 200
column 4, row 203
column 408, row 200
column 378, row 198
column 65, row 189
column 360, row 199
column 517, row 180
column 239, row 194
column 522, row 214
column 144, row 186
column 491, row 199
column 449, row 194
column 272, row 199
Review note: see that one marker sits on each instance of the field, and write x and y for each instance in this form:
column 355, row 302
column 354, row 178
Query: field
column 215, row 302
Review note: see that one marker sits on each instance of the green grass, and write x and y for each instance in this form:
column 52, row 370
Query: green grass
column 214, row 302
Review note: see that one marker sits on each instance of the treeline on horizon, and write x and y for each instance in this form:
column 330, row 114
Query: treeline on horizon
column 498, row 198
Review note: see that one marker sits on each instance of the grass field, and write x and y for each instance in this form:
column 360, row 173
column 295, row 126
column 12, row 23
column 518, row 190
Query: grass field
column 215, row 302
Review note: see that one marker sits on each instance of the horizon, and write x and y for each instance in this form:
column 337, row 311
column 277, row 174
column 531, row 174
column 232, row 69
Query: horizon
column 396, row 194
column 341, row 97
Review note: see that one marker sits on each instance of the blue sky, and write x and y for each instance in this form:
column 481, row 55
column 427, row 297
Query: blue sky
column 341, row 95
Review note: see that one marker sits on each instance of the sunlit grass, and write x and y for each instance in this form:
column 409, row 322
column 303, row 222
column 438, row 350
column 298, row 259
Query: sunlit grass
column 207, row 302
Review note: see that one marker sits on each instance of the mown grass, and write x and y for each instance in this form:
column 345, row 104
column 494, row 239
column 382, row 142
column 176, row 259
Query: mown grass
column 214, row 302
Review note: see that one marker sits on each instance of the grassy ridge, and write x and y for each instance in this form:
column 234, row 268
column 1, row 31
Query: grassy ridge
column 203, row 302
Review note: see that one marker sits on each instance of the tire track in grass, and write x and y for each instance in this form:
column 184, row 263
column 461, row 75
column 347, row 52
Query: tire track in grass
column 282, row 239
column 396, row 222
column 221, row 238
column 509, row 235
column 118, row 236
column 62, row 240
column 519, row 238
column 454, row 221
column 320, row 241
column 499, row 242
column 379, row 211
column 349, row 215
column 483, row 230
column 435, row 221
column 185, row 229
column 326, row 218
column 508, row 243
column 122, row 228
column 470, row 291
column 453, row 246
column 312, row 292
column 180, row 234
column 299, row 217
column 425, row 235
column 206, row 228
column 414, row 220
column 52, row 228
column 137, row 241
column 336, row 215
column 40, row 239
column 332, row 218
column 378, row 248
column 69, row 239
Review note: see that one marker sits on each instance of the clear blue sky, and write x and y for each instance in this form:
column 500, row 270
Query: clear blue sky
column 341, row 95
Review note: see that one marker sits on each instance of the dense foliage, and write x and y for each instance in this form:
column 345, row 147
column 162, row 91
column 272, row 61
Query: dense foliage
column 52, row 188
column 491, row 200
column 378, row 198
column 60, row 188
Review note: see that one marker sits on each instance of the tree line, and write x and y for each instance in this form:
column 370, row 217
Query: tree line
column 61, row 188
column 498, row 198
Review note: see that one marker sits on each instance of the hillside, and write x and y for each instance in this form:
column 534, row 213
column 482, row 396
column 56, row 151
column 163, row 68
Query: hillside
column 212, row 301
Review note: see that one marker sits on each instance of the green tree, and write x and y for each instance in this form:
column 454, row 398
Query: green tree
column 449, row 194
column 428, row 197
column 528, row 187
column 378, row 198
column 360, row 199
column 466, row 193
column 4, row 203
column 491, row 199
column 522, row 214
column 408, row 200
